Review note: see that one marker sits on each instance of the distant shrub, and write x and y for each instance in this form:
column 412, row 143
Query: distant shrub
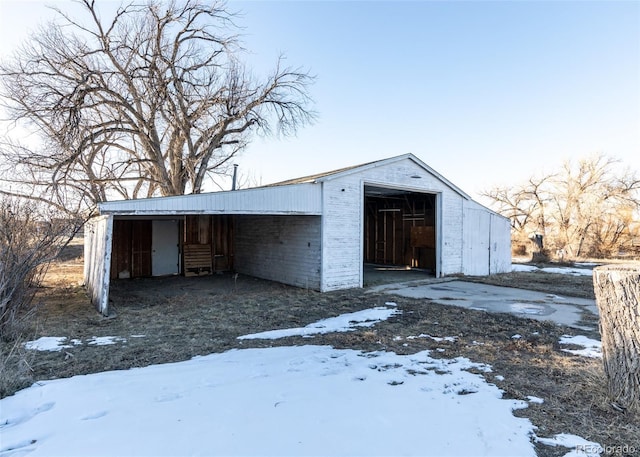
column 30, row 238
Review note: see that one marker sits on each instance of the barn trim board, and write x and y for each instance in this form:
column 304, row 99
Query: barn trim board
column 315, row 232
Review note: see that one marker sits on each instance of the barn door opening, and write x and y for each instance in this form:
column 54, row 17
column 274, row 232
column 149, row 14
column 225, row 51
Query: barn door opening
column 165, row 252
column 399, row 231
column 131, row 249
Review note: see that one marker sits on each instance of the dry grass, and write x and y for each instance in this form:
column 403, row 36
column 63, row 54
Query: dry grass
column 574, row 286
column 184, row 317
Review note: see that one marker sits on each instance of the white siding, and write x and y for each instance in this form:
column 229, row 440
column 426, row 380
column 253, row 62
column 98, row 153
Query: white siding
column 451, row 233
column 476, row 239
column 98, row 234
column 342, row 231
column 310, row 234
column 486, row 240
column 279, row 248
column 500, row 244
column 294, row 199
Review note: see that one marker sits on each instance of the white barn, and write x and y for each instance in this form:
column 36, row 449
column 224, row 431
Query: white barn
column 315, row 232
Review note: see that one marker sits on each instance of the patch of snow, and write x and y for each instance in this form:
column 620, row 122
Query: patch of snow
column 517, row 336
column 137, row 336
column 527, row 308
column 477, row 308
column 557, row 270
column 48, row 343
column 450, row 339
column 499, row 377
column 391, row 303
column 568, row 271
column 57, row 343
column 578, row 445
column 555, row 297
column 105, row 340
column 533, row 399
column 592, row 348
column 303, row 400
column 342, row 323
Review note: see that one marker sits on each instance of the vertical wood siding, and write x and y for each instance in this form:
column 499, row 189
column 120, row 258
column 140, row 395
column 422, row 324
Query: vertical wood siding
column 131, row 255
column 500, row 245
column 477, row 234
column 342, row 229
column 400, row 231
column 213, row 230
column 486, row 241
column 97, row 260
column 279, row 248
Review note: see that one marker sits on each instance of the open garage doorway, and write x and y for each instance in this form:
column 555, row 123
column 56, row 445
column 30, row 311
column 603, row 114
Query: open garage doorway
column 400, row 236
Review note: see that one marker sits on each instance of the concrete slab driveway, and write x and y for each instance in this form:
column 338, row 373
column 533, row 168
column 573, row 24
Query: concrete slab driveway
column 524, row 303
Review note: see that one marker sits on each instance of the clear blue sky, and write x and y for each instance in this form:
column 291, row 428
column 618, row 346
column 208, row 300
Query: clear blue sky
column 484, row 92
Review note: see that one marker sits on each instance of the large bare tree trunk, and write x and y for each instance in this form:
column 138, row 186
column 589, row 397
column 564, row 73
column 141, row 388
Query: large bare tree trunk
column 617, row 289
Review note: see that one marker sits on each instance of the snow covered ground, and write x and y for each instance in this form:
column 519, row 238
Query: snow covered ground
column 306, row 400
column 590, row 347
column 557, row 270
column 343, row 323
column 300, row 400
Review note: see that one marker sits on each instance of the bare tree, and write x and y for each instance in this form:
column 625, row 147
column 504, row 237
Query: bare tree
column 31, row 236
column 153, row 101
column 586, row 209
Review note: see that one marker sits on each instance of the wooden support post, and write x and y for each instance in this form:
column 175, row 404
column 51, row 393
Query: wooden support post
column 617, row 290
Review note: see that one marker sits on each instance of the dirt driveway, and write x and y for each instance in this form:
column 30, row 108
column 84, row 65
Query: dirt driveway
column 563, row 310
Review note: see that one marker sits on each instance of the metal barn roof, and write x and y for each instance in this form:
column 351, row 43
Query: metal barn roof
column 300, row 199
column 300, row 196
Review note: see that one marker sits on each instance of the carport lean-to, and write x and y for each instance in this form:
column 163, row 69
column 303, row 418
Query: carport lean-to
column 315, row 232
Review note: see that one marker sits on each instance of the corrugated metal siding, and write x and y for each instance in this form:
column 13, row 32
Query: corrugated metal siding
column 97, row 260
column 279, row 248
column 296, row 199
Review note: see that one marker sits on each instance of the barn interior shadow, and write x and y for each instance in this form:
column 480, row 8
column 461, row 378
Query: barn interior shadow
column 375, row 274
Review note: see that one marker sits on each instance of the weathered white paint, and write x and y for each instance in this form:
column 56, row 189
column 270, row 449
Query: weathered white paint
column 500, row 261
column 98, row 234
column 279, row 248
column 343, row 232
column 165, row 252
column 303, row 199
column 476, row 241
column 486, row 241
column 319, row 244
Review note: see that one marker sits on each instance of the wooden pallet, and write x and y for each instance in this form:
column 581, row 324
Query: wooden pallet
column 197, row 260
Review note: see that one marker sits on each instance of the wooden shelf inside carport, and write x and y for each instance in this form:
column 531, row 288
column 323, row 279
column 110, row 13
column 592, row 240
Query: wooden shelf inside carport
column 197, row 259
